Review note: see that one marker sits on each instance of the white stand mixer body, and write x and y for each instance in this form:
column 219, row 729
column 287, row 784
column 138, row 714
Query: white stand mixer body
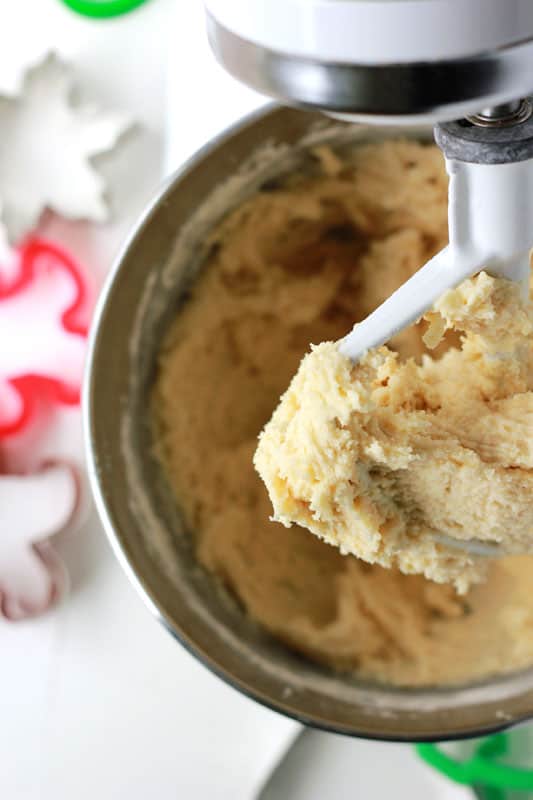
column 378, row 31
column 375, row 60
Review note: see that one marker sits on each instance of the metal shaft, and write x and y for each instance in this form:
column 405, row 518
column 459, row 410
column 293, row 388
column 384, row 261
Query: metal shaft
column 505, row 115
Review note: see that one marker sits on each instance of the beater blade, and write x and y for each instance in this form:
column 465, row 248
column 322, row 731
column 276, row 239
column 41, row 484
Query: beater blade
column 490, row 218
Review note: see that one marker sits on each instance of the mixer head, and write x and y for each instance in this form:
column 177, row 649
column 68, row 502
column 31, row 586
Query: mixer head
column 379, row 60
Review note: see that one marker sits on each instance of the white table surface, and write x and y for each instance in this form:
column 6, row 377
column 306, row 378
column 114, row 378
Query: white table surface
column 92, row 695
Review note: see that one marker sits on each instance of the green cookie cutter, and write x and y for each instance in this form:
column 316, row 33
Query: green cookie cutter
column 482, row 769
column 103, row 9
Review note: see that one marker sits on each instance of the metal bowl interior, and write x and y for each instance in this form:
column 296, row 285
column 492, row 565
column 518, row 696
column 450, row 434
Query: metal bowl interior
column 150, row 281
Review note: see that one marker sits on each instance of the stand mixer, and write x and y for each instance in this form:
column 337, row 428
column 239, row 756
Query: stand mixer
column 465, row 67
column 405, row 61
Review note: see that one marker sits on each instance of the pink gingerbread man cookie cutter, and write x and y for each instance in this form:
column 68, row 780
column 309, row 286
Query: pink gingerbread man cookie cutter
column 42, row 310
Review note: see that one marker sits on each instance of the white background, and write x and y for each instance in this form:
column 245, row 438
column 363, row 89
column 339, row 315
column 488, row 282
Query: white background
column 96, row 700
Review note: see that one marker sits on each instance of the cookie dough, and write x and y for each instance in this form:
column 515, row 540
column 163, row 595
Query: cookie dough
column 385, row 459
column 296, row 264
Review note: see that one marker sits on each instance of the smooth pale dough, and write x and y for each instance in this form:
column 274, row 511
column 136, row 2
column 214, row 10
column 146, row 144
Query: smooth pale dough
column 294, row 265
column 383, row 457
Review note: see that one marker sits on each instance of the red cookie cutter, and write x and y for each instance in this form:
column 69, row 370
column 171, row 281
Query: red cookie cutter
column 35, row 388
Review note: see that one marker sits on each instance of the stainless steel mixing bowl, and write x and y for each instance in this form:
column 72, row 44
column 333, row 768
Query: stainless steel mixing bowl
column 149, row 282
